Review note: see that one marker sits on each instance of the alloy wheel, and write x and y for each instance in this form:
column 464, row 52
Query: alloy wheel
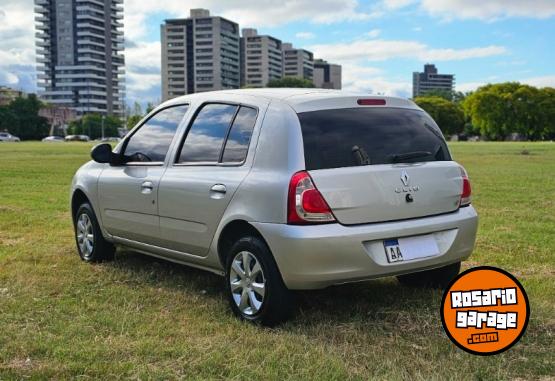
column 247, row 282
column 85, row 235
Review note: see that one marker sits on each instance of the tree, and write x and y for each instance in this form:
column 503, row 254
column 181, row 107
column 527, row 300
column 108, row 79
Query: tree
column 133, row 120
column 447, row 114
column 450, row 95
column 21, row 118
column 91, row 125
column 500, row 109
column 290, row 82
column 149, row 107
column 137, row 109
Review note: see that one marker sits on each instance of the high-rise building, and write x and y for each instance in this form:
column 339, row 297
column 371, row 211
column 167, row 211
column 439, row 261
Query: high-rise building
column 327, row 75
column 199, row 53
column 261, row 59
column 430, row 80
column 80, row 61
column 297, row 62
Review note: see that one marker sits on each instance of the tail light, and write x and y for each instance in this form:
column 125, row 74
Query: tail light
column 305, row 204
column 466, row 195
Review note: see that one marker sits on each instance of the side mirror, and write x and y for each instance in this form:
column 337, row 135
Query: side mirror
column 102, row 153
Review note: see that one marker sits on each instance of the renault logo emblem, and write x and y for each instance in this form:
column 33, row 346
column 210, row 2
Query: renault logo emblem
column 405, row 178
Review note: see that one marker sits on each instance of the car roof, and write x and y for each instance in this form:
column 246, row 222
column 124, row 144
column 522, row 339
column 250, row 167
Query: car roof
column 300, row 99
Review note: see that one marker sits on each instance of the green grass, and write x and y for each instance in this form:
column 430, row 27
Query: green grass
column 143, row 318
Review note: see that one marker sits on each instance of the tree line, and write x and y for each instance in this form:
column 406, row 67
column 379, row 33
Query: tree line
column 494, row 111
column 21, row 118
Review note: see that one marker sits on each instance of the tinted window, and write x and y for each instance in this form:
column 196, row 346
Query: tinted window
column 237, row 143
column 207, row 134
column 362, row 136
column 153, row 138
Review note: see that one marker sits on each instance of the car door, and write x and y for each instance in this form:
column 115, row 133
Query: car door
column 209, row 166
column 128, row 193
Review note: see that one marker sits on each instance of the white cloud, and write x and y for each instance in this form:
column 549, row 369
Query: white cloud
column 462, row 54
column 142, row 77
column 396, row 4
column 17, row 44
column 305, row 35
column 373, row 33
column 381, row 50
column 487, row 10
column 544, row 81
column 541, row 81
column 249, row 13
column 371, row 80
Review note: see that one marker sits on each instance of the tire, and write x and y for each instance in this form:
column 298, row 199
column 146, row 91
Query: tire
column 435, row 278
column 91, row 245
column 250, row 265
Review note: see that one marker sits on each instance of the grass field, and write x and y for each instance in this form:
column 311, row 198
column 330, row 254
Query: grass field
column 142, row 318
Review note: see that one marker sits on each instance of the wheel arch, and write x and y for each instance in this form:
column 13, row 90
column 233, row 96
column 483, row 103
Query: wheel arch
column 232, row 231
column 78, row 198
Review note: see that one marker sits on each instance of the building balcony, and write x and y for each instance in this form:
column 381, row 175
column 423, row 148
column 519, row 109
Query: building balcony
column 97, row 2
column 44, row 27
column 87, row 84
column 80, row 18
column 43, row 60
column 88, row 25
column 92, row 51
column 81, row 75
column 98, row 93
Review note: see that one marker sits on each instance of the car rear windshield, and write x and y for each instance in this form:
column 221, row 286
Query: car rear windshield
column 365, row 136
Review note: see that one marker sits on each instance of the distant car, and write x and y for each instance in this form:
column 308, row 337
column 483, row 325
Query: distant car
column 110, row 139
column 77, row 138
column 53, row 139
column 7, row 137
column 279, row 190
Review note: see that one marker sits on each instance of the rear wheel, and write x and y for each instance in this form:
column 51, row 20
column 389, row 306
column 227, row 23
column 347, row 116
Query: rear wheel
column 254, row 286
column 91, row 245
column 435, row 278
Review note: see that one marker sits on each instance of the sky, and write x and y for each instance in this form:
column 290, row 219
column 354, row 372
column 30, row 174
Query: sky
column 378, row 43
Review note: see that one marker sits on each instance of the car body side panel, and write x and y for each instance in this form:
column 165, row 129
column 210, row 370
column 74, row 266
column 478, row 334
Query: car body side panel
column 262, row 196
column 86, row 180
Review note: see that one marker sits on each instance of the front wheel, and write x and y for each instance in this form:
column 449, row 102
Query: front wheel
column 254, row 286
column 435, row 278
column 91, row 245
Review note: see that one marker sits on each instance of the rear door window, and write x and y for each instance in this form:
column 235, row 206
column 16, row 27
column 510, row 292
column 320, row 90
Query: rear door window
column 367, row 136
column 237, row 143
column 219, row 133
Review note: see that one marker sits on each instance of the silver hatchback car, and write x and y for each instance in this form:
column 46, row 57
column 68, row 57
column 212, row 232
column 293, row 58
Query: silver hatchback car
column 280, row 190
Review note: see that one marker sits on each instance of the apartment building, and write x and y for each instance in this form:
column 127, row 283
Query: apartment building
column 199, row 53
column 80, row 62
column 297, row 62
column 261, row 59
column 431, row 80
column 326, row 75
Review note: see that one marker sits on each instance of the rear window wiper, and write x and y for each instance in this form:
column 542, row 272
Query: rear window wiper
column 409, row 155
column 361, row 156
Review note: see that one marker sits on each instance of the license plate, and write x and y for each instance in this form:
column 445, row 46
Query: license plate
column 392, row 250
column 409, row 248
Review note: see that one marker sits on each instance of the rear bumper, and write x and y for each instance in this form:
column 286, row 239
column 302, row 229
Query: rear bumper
column 317, row 256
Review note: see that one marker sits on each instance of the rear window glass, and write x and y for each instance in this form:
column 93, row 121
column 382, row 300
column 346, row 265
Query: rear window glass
column 366, row 136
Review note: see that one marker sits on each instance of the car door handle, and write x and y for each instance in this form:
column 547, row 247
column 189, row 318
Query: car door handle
column 217, row 192
column 147, row 187
column 218, row 188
